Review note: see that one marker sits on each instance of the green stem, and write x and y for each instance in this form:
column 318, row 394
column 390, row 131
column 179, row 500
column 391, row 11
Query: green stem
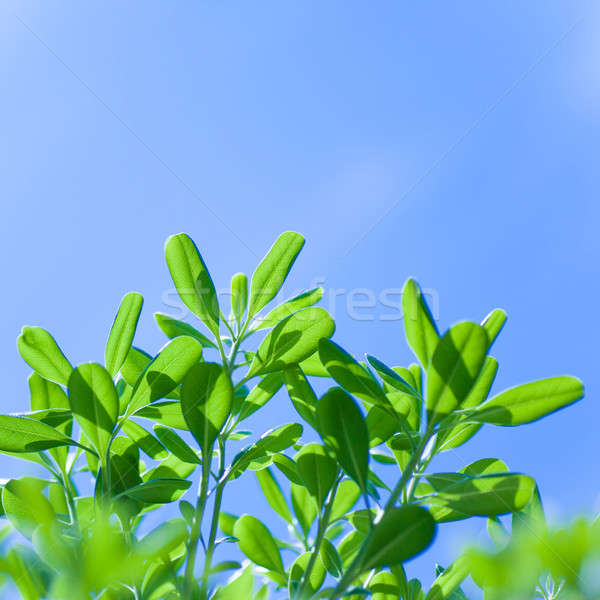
column 321, row 529
column 210, row 547
column 188, row 586
column 353, row 570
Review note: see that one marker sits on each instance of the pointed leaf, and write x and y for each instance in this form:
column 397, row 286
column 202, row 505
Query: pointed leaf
column 421, row 331
column 158, row 491
column 529, row 402
column 304, row 507
column 449, row 580
column 95, row 404
column 273, row 494
column 303, row 300
column 122, row 332
column 301, row 394
column 206, row 398
column 239, row 296
column 343, row 429
column 173, row 328
column 352, row 376
column 318, row 471
column 21, row 434
column 402, row 533
column 257, row 543
column 176, row 444
column 273, row 270
column 165, row 372
column 39, row 350
column 454, row 368
column 292, row 340
column 192, row 280
column 262, row 392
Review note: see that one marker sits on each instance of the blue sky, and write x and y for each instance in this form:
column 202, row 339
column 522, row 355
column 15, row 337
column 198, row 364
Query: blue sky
column 453, row 142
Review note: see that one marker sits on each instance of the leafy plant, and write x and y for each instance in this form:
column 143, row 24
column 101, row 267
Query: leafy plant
column 122, row 441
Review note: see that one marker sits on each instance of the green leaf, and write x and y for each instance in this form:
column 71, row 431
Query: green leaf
column 402, row 533
column 273, row 270
column 122, row 332
column 331, row 559
column 237, row 588
column 384, row 586
column 272, row 441
column 303, row 300
column 262, row 392
column 46, row 394
column 304, row 507
column 452, row 433
column 239, row 296
column 483, row 496
column 158, row 491
column 39, row 350
column 352, row 376
column 25, row 506
column 21, row 434
column 165, row 372
column 343, row 429
column 313, row 367
column 493, row 323
column 301, row 394
column 292, row 340
column 144, row 440
column 166, row 413
column 257, row 543
column 421, row 331
column 346, row 496
column 95, row 404
column 176, row 444
column 318, row 471
column 454, row 368
column 315, row 580
column 273, row 494
column 135, row 363
column 206, row 398
column 529, row 402
column 173, row 328
column 445, row 585
column 192, row 280
column 162, row 539
column 391, row 377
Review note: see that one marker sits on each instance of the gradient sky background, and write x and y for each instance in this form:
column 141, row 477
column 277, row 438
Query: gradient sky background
column 454, row 142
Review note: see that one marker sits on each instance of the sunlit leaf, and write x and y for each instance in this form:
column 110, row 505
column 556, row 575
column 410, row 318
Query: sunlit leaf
column 303, row 300
column 239, row 296
column 165, row 372
column 270, row 274
column 449, row 580
column 318, row 471
column 301, row 394
column 159, row 491
column 122, row 332
column 192, row 280
column 21, row 434
column 39, row 350
column 260, row 394
column 292, row 340
column 315, row 580
column 257, row 543
column 421, row 331
column 175, row 444
column 173, row 328
column 273, row 494
column 493, row 323
column 529, row 402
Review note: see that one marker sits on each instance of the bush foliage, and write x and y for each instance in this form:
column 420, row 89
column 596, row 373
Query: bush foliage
column 116, row 515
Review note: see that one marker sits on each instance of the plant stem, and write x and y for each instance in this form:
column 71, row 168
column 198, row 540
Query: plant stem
column 351, row 573
column 322, row 528
column 210, row 547
column 188, row 585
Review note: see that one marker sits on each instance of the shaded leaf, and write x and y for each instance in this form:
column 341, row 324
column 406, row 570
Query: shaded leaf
column 21, row 434
column 292, row 340
column 206, row 397
column 421, row 331
column 317, row 470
